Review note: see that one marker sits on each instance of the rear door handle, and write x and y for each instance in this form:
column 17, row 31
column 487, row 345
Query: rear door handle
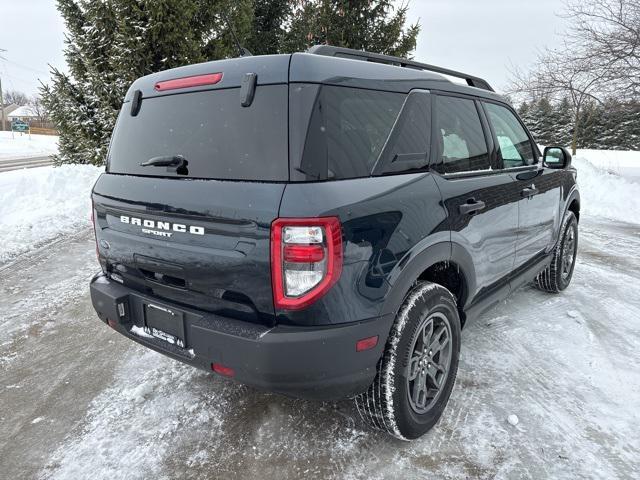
column 530, row 191
column 471, row 206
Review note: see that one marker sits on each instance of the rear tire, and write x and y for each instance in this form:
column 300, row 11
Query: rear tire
column 557, row 276
column 414, row 382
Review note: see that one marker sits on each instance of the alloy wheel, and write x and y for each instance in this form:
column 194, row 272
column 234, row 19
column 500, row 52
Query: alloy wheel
column 430, row 361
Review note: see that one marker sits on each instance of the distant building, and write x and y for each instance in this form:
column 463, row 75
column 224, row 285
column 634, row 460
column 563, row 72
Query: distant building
column 25, row 113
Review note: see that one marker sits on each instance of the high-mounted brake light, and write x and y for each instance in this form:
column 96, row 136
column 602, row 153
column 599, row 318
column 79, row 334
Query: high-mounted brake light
column 306, row 259
column 186, row 82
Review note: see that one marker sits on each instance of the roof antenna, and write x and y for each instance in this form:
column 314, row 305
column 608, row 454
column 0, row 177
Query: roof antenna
column 242, row 52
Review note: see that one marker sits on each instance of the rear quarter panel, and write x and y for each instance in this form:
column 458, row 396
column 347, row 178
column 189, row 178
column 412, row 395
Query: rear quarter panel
column 384, row 219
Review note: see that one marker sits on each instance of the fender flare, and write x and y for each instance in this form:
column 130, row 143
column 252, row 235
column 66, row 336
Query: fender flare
column 574, row 194
column 412, row 265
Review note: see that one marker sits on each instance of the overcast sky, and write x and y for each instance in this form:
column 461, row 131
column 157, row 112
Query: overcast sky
column 481, row 37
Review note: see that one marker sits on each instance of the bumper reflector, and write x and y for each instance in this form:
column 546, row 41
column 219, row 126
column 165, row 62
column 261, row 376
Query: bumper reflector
column 222, row 370
column 366, row 343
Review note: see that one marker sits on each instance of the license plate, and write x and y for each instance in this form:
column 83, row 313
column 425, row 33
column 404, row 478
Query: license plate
column 165, row 324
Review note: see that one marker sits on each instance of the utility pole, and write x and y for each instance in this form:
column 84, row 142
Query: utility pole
column 4, row 120
column 2, row 108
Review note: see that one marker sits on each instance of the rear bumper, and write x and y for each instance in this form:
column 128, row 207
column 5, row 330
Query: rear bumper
column 307, row 362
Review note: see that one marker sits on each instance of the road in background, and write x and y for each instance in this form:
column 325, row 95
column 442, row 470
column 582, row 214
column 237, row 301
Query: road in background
column 80, row 401
column 8, row 164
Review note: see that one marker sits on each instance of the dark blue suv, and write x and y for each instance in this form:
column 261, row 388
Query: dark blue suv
column 322, row 224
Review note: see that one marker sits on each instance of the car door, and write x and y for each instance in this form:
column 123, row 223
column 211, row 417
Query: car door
column 539, row 187
column 480, row 201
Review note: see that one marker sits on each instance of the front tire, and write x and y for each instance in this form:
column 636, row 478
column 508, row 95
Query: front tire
column 557, row 276
column 418, row 369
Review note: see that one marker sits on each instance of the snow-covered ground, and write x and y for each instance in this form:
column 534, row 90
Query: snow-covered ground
column 21, row 145
column 39, row 204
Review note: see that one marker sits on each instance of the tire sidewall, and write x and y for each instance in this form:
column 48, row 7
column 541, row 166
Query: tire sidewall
column 411, row 424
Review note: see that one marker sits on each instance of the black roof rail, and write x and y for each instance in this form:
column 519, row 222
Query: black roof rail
column 342, row 52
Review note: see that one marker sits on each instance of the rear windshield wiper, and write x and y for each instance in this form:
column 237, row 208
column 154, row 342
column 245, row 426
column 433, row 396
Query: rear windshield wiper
column 165, row 161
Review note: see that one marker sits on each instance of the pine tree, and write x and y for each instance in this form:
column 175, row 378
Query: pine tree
column 268, row 29
column 110, row 43
column 373, row 25
column 537, row 116
column 562, row 118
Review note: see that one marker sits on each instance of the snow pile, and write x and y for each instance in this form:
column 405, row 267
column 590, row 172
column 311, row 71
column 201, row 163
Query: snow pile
column 622, row 163
column 19, row 145
column 605, row 194
column 38, row 204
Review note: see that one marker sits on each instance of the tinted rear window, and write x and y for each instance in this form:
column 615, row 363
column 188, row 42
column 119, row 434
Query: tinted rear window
column 339, row 132
column 216, row 135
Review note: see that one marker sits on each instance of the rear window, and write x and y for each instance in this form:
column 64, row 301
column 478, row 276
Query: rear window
column 218, row 137
column 339, row 132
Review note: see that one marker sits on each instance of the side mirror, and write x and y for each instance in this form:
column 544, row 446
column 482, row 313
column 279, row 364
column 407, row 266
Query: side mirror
column 556, row 157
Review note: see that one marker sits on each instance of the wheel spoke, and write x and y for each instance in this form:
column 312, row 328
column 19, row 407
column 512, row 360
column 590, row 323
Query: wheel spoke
column 414, row 365
column 427, row 334
column 420, row 390
column 438, row 342
column 433, row 374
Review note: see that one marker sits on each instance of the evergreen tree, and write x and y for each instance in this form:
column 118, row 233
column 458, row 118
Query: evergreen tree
column 538, row 119
column 268, row 29
column 611, row 125
column 373, row 25
column 110, row 43
column 563, row 122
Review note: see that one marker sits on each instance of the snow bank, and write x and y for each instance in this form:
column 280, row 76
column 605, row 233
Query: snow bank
column 606, row 194
column 622, row 163
column 21, row 146
column 38, row 204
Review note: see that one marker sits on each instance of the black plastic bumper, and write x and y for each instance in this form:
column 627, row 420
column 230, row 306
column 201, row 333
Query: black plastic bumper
column 308, row 362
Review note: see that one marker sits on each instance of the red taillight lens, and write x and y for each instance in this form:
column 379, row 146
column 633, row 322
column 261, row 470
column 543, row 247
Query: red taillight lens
column 303, row 253
column 95, row 234
column 186, row 82
column 306, row 259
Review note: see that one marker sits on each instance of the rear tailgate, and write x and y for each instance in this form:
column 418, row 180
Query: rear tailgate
column 217, row 255
column 197, row 232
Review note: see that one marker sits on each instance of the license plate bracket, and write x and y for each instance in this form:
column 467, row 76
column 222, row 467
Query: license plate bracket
column 165, row 324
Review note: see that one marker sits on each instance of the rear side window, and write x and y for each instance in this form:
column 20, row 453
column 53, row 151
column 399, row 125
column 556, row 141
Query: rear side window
column 408, row 145
column 516, row 149
column 219, row 138
column 343, row 133
column 461, row 145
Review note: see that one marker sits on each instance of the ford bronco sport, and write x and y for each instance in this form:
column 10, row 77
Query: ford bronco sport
column 322, row 224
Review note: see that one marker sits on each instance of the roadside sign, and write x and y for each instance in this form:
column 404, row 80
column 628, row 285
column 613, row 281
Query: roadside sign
column 19, row 126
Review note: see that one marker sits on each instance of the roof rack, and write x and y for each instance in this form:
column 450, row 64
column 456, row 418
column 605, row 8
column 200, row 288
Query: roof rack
column 341, row 52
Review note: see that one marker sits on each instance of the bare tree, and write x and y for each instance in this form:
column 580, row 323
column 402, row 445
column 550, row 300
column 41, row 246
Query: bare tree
column 16, row 97
column 558, row 74
column 608, row 32
column 37, row 107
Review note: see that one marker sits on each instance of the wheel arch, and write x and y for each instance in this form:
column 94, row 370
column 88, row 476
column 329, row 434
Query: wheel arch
column 445, row 263
column 573, row 204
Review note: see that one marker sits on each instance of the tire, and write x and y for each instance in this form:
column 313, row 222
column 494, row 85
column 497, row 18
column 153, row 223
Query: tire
column 387, row 405
column 557, row 276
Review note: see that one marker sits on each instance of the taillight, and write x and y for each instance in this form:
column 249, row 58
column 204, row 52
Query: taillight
column 306, row 259
column 93, row 223
column 186, row 82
